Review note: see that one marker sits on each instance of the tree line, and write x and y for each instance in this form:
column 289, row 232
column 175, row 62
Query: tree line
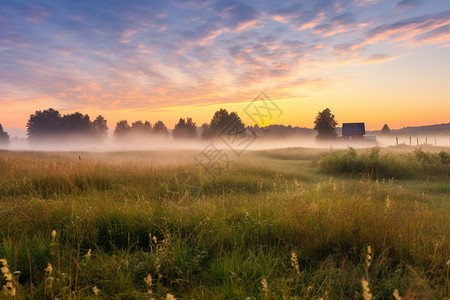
column 50, row 124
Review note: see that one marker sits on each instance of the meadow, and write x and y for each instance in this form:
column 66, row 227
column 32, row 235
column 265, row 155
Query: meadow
column 278, row 224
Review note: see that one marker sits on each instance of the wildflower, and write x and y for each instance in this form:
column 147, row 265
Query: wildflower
column 155, row 239
column 265, row 287
column 396, row 295
column 96, row 290
column 294, row 262
column 368, row 256
column 170, row 297
column 53, row 235
column 366, row 291
column 88, row 255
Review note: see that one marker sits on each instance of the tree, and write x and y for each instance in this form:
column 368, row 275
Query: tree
column 50, row 124
column 43, row 123
column 185, row 129
column 160, row 128
column 100, row 127
column 4, row 137
column 147, row 128
column 222, row 120
column 137, row 127
column 385, row 129
column 325, row 124
column 76, row 123
column 122, row 129
column 203, row 128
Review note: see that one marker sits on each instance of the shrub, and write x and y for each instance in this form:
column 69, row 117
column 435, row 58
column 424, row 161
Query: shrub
column 400, row 166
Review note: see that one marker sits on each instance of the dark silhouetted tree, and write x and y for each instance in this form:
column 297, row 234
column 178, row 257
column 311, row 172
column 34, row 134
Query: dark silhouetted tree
column 137, row 127
column 160, row 128
column 4, row 137
column 222, row 120
column 76, row 123
column 141, row 128
column 385, row 129
column 100, row 127
column 44, row 123
column 325, row 124
column 122, row 129
column 147, row 127
column 50, row 124
column 203, row 128
column 185, row 129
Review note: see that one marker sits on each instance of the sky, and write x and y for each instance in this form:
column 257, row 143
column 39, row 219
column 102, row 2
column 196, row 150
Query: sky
column 372, row 61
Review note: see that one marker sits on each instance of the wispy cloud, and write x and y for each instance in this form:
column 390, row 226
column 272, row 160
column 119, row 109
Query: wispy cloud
column 403, row 4
column 415, row 28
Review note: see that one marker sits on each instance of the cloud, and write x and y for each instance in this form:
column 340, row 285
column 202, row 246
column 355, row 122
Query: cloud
column 236, row 15
column 377, row 58
column 36, row 13
column 340, row 24
column 414, row 29
column 404, row 4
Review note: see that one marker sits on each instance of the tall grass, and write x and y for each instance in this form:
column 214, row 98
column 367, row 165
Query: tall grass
column 117, row 223
column 418, row 164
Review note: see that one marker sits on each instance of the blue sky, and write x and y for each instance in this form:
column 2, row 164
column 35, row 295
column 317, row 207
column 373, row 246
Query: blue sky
column 166, row 58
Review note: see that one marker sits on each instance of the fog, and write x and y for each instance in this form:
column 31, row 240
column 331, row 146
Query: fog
column 238, row 144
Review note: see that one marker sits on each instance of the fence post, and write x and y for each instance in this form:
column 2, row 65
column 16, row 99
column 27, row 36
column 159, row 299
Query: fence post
column 410, row 141
column 396, row 140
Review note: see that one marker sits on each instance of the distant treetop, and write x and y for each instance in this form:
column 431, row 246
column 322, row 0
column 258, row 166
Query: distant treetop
column 220, row 121
column 4, row 137
column 325, row 124
column 185, row 129
column 385, row 129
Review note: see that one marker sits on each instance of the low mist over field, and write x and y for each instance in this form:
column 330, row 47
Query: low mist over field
column 260, row 139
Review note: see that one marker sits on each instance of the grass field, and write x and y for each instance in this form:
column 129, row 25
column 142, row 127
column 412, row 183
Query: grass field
column 288, row 223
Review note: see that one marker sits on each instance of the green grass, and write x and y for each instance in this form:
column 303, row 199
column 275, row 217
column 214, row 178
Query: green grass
column 418, row 165
column 217, row 238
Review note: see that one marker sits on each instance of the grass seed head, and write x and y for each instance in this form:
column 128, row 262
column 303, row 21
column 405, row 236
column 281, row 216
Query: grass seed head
column 49, row 269
column 170, row 297
column 88, row 255
column 366, row 290
column 368, row 256
column 96, row 290
column 265, row 287
column 53, row 235
column 294, row 262
column 148, row 282
column 9, row 286
column 397, row 295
